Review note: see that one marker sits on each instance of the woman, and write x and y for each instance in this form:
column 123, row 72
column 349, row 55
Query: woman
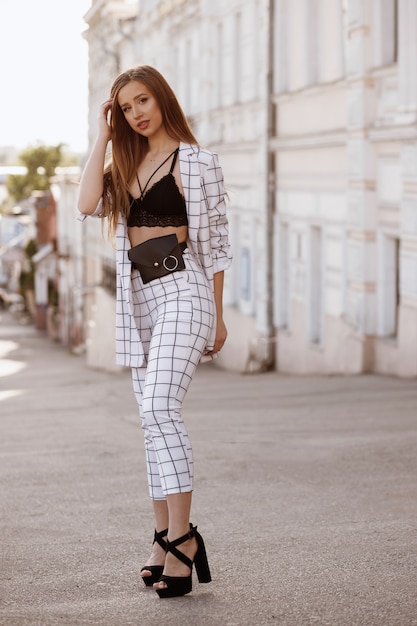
column 164, row 199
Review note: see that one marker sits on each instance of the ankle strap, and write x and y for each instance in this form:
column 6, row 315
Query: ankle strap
column 171, row 546
column 158, row 538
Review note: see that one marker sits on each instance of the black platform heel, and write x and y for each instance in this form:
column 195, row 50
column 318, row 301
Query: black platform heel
column 181, row 585
column 156, row 570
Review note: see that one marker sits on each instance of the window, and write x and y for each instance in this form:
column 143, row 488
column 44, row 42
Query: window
column 219, row 68
column 188, row 75
column 388, row 286
column 109, row 275
column 238, row 53
column 280, row 43
column 315, row 287
column 386, row 16
column 245, row 272
column 312, row 41
column 282, row 273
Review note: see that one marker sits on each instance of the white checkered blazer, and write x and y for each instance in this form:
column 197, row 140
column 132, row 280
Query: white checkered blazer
column 202, row 182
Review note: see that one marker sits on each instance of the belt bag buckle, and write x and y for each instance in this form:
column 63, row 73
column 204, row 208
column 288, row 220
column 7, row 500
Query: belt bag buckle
column 157, row 257
column 170, row 260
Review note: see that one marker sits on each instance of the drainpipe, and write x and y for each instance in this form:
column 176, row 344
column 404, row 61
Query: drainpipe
column 261, row 356
column 270, row 185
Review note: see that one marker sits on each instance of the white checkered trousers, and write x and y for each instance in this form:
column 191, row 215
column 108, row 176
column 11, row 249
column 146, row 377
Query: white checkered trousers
column 174, row 315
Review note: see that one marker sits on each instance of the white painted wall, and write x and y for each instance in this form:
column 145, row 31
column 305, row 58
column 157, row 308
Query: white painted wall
column 346, row 186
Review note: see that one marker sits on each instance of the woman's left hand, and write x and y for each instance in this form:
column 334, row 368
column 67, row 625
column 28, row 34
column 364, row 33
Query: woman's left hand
column 221, row 335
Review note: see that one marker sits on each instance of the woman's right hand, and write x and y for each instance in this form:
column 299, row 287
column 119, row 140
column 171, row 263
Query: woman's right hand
column 104, row 127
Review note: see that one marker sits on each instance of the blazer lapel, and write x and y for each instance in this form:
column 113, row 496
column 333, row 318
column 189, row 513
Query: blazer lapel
column 191, row 184
column 122, row 259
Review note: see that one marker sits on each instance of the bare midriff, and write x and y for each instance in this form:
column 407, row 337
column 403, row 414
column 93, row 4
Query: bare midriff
column 140, row 234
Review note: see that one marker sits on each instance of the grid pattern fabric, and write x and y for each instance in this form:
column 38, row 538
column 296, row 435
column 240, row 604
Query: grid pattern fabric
column 202, row 182
column 174, row 316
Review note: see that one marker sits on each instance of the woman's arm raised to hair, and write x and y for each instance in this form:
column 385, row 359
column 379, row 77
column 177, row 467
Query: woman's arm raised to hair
column 91, row 183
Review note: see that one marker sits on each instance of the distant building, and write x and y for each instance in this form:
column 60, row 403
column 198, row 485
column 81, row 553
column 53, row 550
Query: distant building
column 70, row 255
column 16, row 228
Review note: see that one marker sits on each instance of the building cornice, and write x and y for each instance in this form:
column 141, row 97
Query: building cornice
column 340, row 137
column 305, row 142
column 310, row 90
column 393, row 133
column 104, row 8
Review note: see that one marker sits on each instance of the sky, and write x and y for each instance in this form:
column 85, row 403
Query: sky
column 43, row 73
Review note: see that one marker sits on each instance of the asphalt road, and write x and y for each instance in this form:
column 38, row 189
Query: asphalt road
column 305, row 493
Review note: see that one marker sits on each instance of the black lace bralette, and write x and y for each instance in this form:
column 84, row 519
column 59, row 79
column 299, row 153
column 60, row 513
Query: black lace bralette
column 162, row 205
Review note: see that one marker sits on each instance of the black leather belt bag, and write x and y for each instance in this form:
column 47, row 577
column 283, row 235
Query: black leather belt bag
column 158, row 257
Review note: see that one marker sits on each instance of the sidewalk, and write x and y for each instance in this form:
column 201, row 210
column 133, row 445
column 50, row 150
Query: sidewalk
column 306, row 495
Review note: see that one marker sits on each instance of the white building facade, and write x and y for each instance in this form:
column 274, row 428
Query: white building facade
column 345, row 145
column 311, row 105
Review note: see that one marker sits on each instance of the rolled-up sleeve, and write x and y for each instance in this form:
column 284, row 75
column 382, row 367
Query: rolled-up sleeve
column 215, row 197
column 98, row 212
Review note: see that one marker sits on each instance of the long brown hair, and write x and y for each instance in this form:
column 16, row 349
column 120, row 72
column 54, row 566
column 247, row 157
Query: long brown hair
column 128, row 147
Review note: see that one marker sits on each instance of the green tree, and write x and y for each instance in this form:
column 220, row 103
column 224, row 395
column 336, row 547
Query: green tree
column 27, row 276
column 41, row 162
